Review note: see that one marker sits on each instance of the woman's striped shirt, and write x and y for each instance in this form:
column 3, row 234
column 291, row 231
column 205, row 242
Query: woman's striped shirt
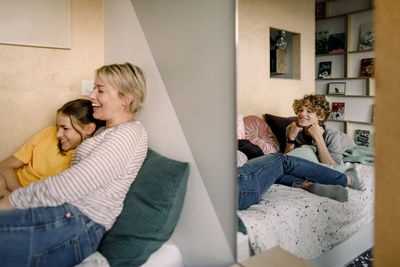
column 102, row 169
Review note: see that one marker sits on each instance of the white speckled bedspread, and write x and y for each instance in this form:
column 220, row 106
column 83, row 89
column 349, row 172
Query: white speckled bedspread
column 305, row 224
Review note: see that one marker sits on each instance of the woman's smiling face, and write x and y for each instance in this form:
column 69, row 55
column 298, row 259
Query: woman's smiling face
column 107, row 102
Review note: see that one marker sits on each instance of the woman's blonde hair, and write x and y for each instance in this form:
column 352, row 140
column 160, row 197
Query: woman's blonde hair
column 128, row 79
column 317, row 103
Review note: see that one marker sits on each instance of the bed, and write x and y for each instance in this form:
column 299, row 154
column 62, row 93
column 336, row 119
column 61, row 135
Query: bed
column 320, row 230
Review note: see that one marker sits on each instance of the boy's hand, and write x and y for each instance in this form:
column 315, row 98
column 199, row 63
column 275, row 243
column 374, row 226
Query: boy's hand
column 295, row 129
column 315, row 131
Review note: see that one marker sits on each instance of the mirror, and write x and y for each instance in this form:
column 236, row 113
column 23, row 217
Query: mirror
column 335, row 41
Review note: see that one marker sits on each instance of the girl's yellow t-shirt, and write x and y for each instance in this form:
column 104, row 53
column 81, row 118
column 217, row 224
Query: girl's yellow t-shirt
column 42, row 157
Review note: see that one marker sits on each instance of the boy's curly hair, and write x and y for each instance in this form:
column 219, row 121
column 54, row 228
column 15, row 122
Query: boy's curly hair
column 317, row 103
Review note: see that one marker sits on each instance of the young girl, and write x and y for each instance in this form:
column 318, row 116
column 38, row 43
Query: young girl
column 49, row 152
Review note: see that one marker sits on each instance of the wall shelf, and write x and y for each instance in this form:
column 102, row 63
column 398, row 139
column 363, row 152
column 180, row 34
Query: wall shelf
column 332, row 54
column 368, row 96
column 356, row 51
column 345, row 17
column 341, row 79
column 344, row 53
column 348, row 121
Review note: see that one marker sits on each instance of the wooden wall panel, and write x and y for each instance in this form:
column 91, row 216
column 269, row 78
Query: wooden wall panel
column 387, row 232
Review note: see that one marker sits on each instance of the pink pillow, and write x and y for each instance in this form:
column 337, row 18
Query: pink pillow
column 258, row 132
column 240, row 127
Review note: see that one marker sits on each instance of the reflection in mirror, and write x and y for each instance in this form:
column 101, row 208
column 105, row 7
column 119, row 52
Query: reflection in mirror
column 319, row 227
column 284, row 53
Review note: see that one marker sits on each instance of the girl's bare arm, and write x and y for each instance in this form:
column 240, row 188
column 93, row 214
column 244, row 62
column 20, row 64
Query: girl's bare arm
column 8, row 169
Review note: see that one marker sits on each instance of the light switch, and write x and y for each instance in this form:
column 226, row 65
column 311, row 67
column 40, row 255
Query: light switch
column 87, row 87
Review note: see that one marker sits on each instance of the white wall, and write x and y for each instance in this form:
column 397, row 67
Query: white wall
column 193, row 45
column 190, row 97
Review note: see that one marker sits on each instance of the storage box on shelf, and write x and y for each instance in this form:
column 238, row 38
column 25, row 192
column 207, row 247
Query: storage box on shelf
column 348, row 17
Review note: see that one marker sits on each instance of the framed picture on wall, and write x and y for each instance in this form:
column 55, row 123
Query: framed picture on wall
column 321, row 42
column 338, row 110
column 367, row 67
column 320, row 10
column 362, row 137
column 324, row 70
column 366, row 40
column 337, row 88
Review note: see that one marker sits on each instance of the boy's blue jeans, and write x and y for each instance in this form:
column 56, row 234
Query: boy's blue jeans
column 258, row 174
column 48, row 236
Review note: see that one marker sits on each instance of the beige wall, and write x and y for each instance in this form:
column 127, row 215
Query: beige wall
column 35, row 82
column 257, row 93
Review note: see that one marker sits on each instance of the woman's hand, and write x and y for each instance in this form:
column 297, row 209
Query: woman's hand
column 294, row 130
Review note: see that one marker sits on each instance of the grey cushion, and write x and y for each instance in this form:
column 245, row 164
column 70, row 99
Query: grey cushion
column 151, row 211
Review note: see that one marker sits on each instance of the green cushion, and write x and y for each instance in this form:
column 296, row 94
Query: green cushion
column 309, row 152
column 151, row 211
column 241, row 226
column 305, row 152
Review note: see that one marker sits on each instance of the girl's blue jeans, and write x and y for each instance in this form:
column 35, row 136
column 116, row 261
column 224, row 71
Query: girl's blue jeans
column 48, row 236
column 258, row 174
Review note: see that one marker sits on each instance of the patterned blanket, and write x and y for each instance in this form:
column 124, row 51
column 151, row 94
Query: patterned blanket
column 305, row 224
